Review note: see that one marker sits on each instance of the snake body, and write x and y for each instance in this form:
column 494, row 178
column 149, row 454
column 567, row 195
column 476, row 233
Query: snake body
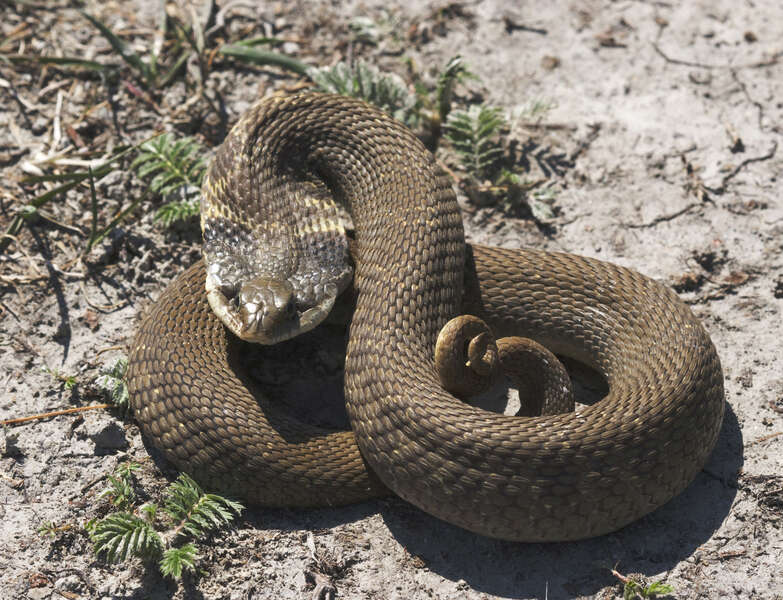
column 560, row 477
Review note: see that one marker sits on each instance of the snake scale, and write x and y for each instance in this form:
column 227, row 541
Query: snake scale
column 560, row 477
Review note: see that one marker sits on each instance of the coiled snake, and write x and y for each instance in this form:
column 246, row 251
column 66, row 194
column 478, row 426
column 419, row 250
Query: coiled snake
column 561, row 477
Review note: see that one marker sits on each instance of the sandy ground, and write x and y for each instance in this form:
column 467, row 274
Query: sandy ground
column 663, row 150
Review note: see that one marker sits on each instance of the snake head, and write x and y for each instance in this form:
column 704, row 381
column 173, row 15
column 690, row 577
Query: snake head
column 264, row 310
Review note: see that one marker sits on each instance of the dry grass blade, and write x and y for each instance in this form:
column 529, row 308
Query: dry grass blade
column 65, row 61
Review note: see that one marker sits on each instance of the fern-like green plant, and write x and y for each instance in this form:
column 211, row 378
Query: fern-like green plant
column 48, row 528
column 455, row 71
column 194, row 511
column 121, row 535
column 632, row 590
column 120, row 490
column 190, row 513
column 174, row 560
column 385, row 90
column 474, row 134
column 68, row 381
column 112, row 383
column 172, row 166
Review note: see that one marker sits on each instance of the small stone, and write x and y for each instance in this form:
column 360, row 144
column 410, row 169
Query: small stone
column 39, row 593
column 70, row 583
column 550, row 63
column 8, row 445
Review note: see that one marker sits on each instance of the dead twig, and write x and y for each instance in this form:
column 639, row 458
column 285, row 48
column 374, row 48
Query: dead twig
column 764, row 438
column 104, row 308
column 109, row 349
column 56, row 413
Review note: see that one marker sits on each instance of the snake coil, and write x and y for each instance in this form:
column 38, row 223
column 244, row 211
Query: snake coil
column 559, row 477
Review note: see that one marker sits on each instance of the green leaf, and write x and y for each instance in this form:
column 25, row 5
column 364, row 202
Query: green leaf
column 455, row 72
column 112, row 384
column 124, row 50
column 658, row 588
column 264, row 57
column 120, row 490
column 474, row 134
column 177, row 211
column 181, row 497
column 176, row 559
column 150, row 511
column 121, row 535
column 385, row 90
column 172, row 165
column 195, row 512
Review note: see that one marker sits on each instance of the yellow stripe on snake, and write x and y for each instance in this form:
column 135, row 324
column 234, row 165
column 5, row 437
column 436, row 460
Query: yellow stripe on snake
column 558, row 477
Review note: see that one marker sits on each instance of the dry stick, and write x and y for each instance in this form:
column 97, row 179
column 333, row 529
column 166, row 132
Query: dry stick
column 110, row 348
column 56, row 413
column 620, row 576
column 765, row 438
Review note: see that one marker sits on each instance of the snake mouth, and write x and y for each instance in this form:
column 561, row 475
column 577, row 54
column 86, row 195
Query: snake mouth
column 263, row 310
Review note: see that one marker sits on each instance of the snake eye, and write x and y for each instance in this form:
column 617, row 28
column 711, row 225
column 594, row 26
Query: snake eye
column 229, row 290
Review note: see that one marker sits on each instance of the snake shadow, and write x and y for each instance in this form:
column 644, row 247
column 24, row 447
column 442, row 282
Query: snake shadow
column 653, row 544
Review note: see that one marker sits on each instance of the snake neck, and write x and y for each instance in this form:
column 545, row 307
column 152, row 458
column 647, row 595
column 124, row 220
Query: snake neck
column 407, row 222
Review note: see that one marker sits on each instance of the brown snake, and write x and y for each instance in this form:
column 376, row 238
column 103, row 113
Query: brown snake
column 560, row 477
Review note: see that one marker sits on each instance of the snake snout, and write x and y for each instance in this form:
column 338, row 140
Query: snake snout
column 267, row 307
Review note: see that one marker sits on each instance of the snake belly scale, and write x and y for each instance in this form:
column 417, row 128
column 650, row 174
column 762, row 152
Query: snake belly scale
column 560, row 477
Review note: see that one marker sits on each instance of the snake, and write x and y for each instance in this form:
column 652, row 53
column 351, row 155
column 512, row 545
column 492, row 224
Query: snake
column 277, row 177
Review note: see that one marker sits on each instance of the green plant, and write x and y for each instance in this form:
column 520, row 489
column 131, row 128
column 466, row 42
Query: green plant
column 475, row 135
column 68, row 381
column 111, row 383
column 534, row 110
column 120, row 536
column 455, row 72
column 189, row 515
column 634, row 589
column 47, row 528
column 387, row 91
column 150, row 70
column 247, row 52
column 172, row 166
column 120, row 491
